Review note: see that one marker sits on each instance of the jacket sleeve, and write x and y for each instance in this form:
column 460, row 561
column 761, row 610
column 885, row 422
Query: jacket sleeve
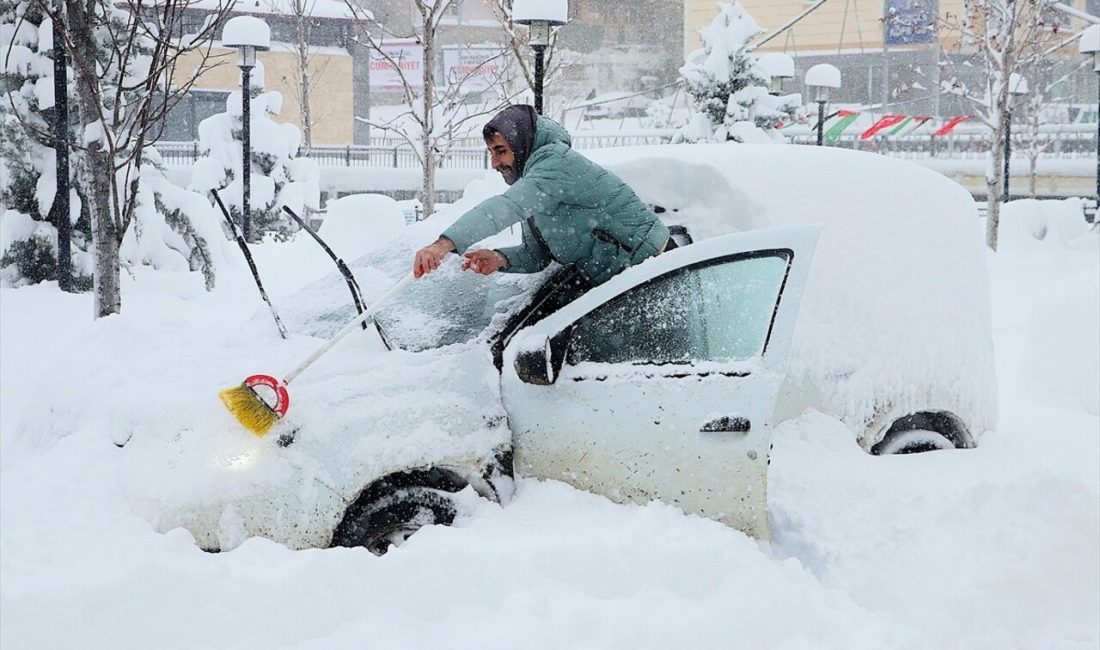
column 529, row 257
column 528, row 196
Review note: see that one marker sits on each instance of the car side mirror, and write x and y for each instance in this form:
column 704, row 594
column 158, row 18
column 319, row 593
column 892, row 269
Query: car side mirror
column 542, row 366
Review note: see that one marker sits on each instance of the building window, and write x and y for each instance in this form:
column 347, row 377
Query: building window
column 182, row 122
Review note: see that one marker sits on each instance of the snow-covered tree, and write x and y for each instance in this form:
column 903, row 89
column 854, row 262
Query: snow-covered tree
column 279, row 177
column 729, row 90
column 1004, row 37
column 434, row 107
column 123, row 58
column 28, row 181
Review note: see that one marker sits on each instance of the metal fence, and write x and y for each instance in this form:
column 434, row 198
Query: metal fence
column 1074, row 145
column 186, row 153
column 1054, row 142
column 463, row 154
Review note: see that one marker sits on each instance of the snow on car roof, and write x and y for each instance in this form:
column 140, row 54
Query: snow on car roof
column 898, row 286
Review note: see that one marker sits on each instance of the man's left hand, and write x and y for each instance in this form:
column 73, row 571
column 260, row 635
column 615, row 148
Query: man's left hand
column 485, row 261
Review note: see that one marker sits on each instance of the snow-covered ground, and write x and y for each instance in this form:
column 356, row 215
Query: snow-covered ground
column 996, row 547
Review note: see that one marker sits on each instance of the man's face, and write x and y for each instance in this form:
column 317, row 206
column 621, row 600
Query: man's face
column 503, row 158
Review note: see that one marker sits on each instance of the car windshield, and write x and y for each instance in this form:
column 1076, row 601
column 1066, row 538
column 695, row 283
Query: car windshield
column 445, row 307
column 450, row 306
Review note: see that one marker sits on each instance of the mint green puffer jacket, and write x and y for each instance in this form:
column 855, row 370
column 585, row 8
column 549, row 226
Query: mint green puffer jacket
column 574, row 212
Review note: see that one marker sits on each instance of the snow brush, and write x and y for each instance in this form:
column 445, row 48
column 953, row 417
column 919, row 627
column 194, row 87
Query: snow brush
column 261, row 400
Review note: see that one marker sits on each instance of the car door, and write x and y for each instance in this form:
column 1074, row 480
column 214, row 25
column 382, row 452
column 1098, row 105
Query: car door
column 661, row 383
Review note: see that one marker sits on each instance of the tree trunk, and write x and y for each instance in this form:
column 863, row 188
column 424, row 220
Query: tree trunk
column 994, row 182
column 427, row 197
column 304, row 80
column 1033, row 170
column 95, row 163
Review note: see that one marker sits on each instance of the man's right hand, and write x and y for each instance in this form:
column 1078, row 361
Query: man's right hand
column 430, row 257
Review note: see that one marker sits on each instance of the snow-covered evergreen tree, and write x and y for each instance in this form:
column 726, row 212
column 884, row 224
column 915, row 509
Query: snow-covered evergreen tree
column 729, row 90
column 28, row 236
column 152, row 222
column 279, row 177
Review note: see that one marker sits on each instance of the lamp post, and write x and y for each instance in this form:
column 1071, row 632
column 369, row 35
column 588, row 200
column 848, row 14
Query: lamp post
column 779, row 67
column 1090, row 44
column 821, row 79
column 248, row 34
column 1017, row 85
column 540, row 16
column 61, row 152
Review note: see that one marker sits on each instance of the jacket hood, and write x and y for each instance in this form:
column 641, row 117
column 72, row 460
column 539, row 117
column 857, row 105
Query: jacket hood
column 548, row 131
column 517, row 124
column 526, row 131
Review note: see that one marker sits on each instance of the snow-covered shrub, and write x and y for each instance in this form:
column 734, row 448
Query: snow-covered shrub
column 33, row 258
column 1030, row 223
column 729, row 89
column 278, row 176
column 30, row 253
column 174, row 229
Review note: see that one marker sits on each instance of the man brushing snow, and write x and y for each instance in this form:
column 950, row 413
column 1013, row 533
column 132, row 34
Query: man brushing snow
column 574, row 212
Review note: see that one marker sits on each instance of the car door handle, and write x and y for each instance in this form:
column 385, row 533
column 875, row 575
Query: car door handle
column 727, row 424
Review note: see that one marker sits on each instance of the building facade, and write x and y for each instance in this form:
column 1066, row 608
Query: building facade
column 613, row 46
column 329, row 36
column 893, row 54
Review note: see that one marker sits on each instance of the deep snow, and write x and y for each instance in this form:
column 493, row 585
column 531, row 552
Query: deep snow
column 997, row 547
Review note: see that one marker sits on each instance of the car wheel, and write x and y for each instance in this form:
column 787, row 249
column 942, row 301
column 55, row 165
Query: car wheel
column 912, row 441
column 391, row 519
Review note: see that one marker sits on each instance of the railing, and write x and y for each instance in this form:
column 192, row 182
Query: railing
column 186, row 153
column 1055, row 141
column 966, row 142
column 1066, row 145
column 465, row 153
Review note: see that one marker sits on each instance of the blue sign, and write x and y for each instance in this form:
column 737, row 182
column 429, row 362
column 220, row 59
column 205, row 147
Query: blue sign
column 908, row 22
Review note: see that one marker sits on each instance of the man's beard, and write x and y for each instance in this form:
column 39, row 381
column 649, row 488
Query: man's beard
column 509, row 174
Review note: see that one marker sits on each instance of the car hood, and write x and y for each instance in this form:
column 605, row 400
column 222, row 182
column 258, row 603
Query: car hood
column 359, row 413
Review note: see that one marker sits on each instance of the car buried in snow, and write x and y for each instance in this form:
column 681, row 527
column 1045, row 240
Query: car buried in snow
column 818, row 278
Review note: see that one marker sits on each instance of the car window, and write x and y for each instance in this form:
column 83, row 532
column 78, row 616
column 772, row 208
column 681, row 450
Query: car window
column 716, row 311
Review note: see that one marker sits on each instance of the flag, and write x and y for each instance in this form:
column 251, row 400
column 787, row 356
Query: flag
column 886, row 122
column 951, row 124
column 910, row 125
column 845, row 120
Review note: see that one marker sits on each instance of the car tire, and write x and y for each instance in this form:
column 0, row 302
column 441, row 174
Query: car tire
column 924, row 431
column 912, row 441
column 391, row 519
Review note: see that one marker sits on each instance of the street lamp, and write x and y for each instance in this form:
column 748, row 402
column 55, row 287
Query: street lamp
column 1090, row 44
column 248, row 34
column 821, row 78
column 540, row 16
column 1017, row 85
column 778, row 67
column 61, row 152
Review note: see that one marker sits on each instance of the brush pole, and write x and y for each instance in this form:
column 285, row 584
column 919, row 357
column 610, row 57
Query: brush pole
column 375, row 306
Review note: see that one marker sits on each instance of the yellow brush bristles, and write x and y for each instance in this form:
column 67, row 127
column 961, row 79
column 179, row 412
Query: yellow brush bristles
column 253, row 413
